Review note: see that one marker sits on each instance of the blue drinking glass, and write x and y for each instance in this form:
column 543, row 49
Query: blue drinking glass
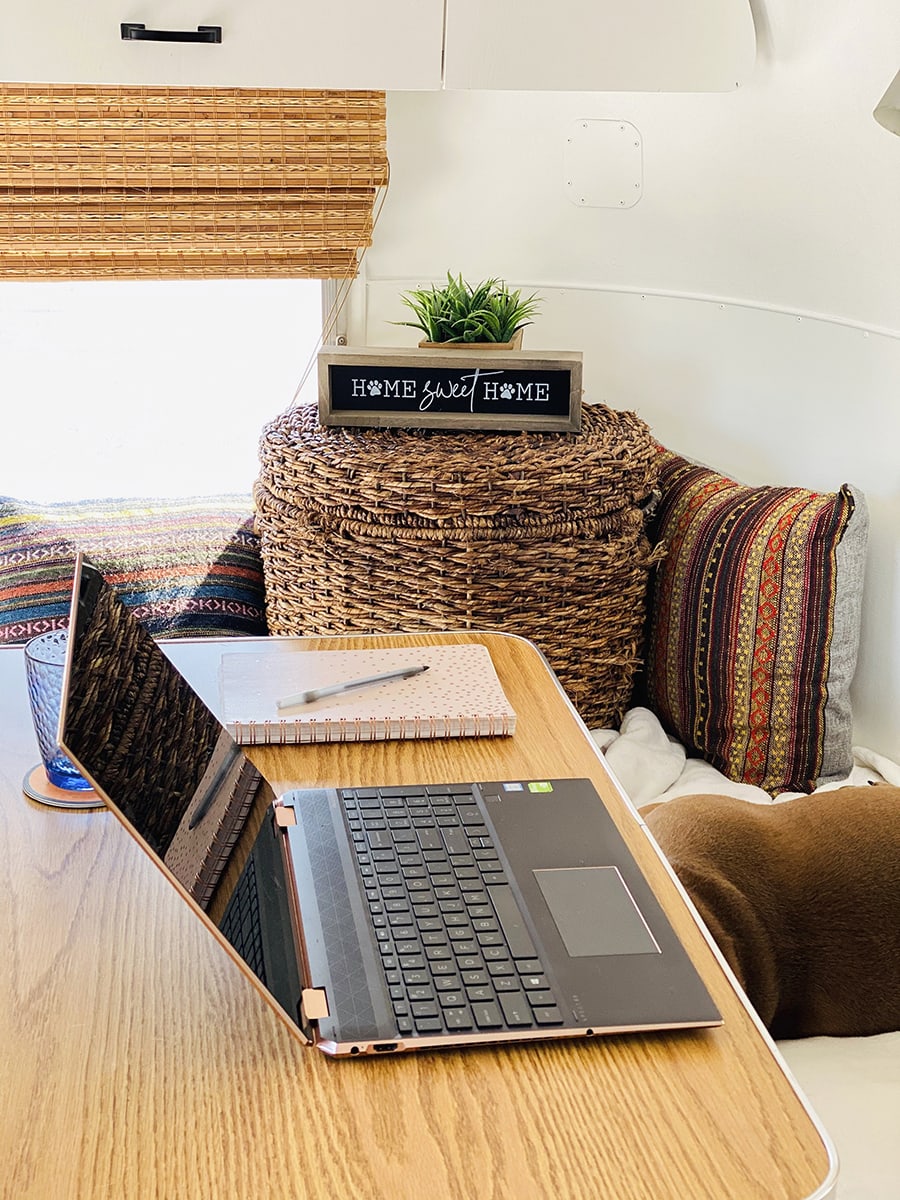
column 45, row 657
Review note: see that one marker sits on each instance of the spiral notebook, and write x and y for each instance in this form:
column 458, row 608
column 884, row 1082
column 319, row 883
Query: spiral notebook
column 459, row 695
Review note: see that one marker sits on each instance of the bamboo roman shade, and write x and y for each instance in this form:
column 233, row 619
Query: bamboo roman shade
column 183, row 183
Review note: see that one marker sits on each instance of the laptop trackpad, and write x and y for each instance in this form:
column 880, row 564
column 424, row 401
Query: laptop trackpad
column 595, row 912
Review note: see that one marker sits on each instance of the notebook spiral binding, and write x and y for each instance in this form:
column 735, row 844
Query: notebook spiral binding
column 288, row 732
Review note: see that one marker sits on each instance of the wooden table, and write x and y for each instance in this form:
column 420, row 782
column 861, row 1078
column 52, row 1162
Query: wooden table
column 139, row 1062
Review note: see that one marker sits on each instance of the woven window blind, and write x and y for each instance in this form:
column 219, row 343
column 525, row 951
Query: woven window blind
column 183, row 183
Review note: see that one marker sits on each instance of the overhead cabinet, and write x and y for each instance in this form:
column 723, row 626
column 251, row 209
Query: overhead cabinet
column 418, row 45
column 338, row 44
column 608, row 46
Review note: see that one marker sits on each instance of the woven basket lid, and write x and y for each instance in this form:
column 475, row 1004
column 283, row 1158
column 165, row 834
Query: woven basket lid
column 407, row 476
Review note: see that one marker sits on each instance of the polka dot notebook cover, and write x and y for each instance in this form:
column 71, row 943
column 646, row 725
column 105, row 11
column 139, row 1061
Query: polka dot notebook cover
column 459, row 695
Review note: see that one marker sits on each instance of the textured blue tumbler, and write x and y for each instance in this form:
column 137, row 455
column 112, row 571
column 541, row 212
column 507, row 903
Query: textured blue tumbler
column 45, row 656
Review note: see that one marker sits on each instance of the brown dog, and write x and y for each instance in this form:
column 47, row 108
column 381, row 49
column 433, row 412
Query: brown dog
column 802, row 898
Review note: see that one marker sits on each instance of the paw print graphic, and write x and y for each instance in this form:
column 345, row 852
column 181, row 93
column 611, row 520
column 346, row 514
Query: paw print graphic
column 506, row 391
column 374, row 387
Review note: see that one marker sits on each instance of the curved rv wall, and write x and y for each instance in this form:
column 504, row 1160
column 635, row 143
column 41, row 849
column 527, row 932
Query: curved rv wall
column 729, row 265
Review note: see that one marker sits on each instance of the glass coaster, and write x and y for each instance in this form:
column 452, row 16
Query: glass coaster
column 38, row 787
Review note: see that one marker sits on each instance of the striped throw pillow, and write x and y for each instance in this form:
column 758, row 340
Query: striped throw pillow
column 187, row 568
column 754, row 624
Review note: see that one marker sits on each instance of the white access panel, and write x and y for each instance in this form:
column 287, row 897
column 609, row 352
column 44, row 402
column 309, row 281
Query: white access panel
column 608, row 45
column 352, row 44
column 603, row 164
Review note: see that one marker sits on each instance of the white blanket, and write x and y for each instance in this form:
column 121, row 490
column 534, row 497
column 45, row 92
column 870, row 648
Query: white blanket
column 853, row 1084
column 651, row 766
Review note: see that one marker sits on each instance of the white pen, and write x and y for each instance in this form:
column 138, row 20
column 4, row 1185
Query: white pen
column 335, row 689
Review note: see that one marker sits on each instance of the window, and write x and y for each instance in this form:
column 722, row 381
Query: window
column 161, row 259
column 143, row 388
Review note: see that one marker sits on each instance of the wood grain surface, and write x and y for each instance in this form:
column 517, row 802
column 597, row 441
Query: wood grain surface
column 139, row 1062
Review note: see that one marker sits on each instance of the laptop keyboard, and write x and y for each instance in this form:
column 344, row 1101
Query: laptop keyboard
column 456, row 954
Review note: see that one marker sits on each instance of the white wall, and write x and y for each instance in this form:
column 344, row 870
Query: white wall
column 747, row 306
column 146, row 389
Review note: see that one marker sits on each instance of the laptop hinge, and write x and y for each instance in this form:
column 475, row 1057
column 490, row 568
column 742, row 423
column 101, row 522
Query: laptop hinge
column 284, row 814
column 313, row 1004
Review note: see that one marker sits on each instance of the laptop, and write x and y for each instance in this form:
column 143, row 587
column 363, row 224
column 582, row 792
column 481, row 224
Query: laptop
column 379, row 919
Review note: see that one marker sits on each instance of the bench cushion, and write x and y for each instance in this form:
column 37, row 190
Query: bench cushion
column 186, row 567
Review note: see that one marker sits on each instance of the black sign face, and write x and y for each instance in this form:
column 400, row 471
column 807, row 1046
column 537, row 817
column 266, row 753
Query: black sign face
column 453, row 389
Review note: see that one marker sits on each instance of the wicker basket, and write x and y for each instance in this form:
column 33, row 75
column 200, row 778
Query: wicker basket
column 538, row 534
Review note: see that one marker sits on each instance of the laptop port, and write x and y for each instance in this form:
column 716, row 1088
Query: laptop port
column 384, row 1047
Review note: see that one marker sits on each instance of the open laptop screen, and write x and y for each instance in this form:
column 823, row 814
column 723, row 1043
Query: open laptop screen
column 152, row 748
column 178, row 782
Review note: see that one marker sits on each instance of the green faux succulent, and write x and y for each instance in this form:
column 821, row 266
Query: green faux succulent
column 458, row 312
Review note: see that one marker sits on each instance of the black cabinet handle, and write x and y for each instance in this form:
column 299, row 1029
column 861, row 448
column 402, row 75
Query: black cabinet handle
column 132, row 32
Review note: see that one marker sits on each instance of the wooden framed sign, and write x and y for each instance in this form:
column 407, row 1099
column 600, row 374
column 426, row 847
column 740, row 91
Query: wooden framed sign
column 450, row 389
